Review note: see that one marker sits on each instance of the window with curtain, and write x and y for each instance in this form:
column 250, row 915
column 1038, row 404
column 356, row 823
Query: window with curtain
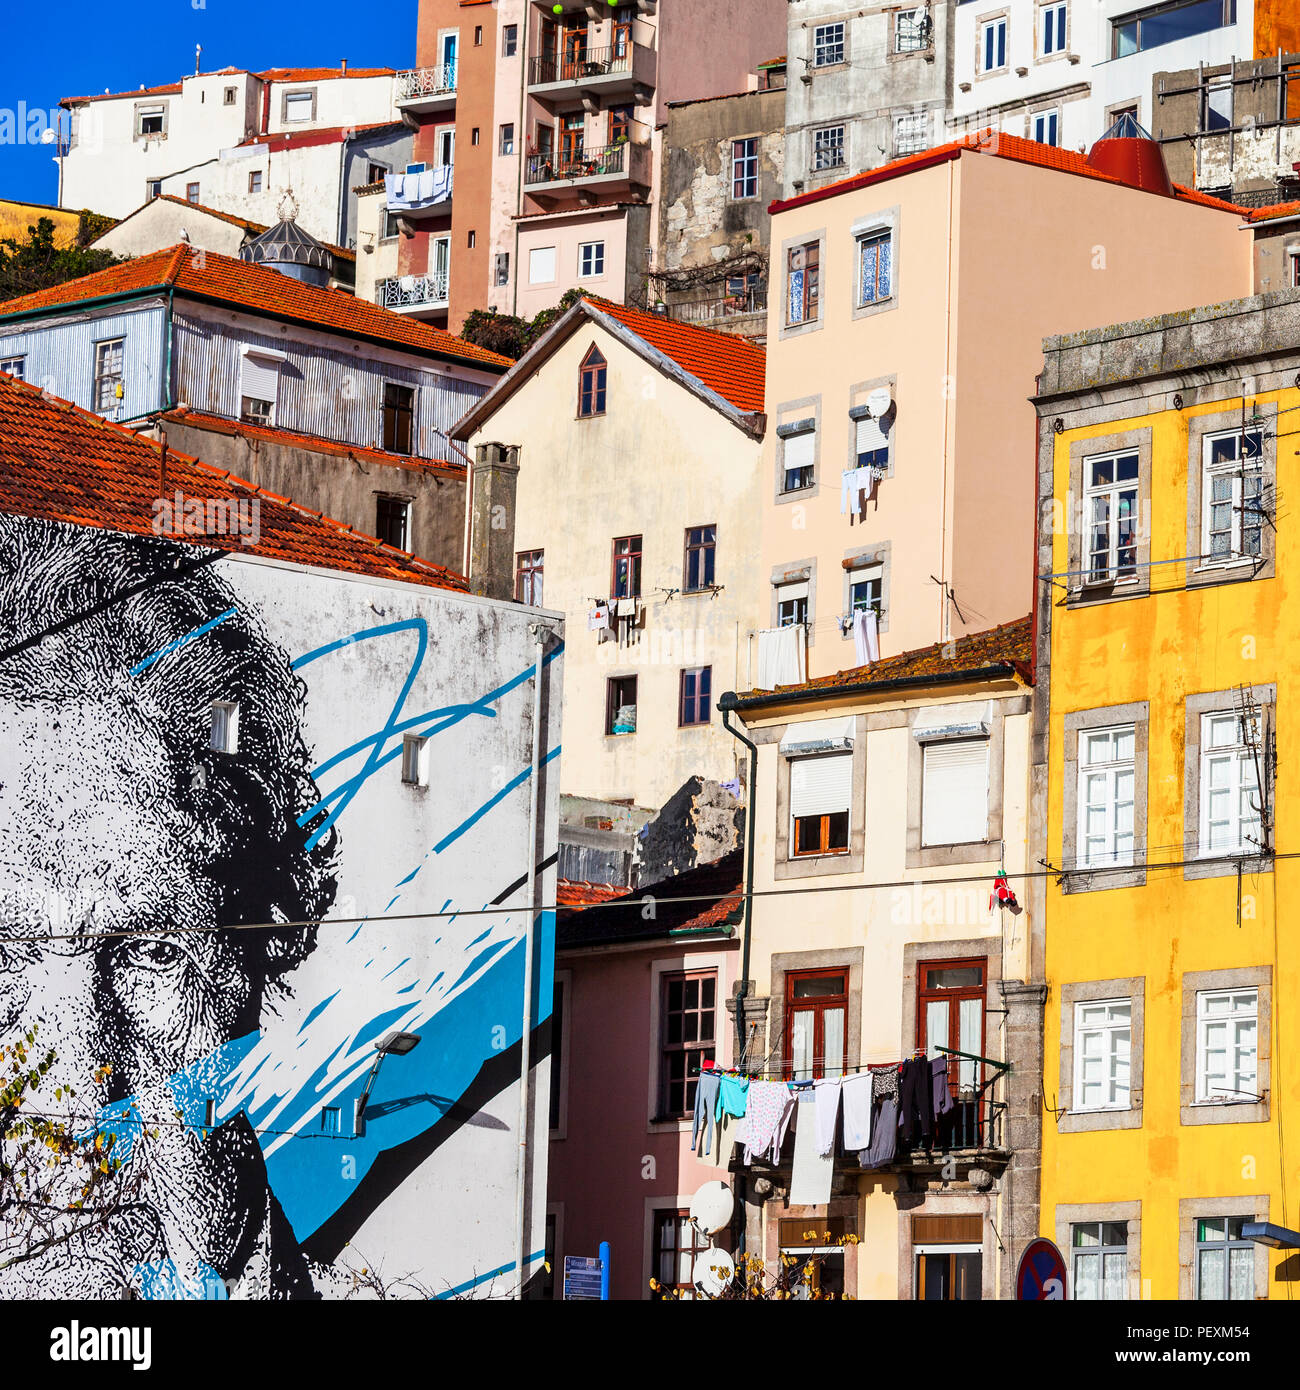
column 950, row 1013
column 802, row 283
column 816, row 1014
column 677, row 1243
column 1225, row 1262
column 1099, row 1260
column 955, row 791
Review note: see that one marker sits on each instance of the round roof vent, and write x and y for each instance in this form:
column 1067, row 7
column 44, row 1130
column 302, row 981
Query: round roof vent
column 1128, row 153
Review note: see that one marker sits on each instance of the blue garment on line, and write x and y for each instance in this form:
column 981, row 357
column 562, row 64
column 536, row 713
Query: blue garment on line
column 706, row 1104
column 733, row 1096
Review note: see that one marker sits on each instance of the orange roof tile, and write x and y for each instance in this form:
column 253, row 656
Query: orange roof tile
column 235, row 221
column 61, row 463
column 731, row 366
column 269, row 75
column 255, row 289
column 578, row 893
column 168, row 89
column 283, row 140
column 1009, row 646
column 298, row 439
column 1276, row 210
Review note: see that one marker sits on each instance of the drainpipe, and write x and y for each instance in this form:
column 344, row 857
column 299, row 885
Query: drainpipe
column 521, row 145
column 727, row 704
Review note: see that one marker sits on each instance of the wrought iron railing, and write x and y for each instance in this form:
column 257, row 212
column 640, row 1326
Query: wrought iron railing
column 750, row 301
column 573, row 67
column 413, row 291
column 426, row 82
column 551, row 165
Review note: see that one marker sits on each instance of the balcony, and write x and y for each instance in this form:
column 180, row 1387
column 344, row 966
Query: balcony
column 415, row 295
column 590, row 172
column 598, row 77
column 714, row 313
column 425, row 90
column 426, row 194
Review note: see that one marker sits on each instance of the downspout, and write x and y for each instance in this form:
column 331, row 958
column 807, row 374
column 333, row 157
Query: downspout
column 947, row 412
column 727, row 704
column 341, row 239
column 522, row 145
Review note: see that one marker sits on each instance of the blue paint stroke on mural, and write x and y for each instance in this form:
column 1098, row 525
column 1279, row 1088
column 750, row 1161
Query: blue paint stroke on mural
column 536, row 1257
column 182, row 641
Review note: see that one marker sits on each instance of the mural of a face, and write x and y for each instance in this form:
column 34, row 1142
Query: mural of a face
column 125, row 838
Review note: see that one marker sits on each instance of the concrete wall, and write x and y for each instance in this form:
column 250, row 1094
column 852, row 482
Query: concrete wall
column 376, row 253
column 709, row 50
column 160, row 223
column 565, row 233
column 251, row 1049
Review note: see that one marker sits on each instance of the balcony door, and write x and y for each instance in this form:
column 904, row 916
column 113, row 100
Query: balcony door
column 951, row 1014
column 449, row 46
column 446, row 146
column 816, row 1012
column 573, row 42
column 440, row 266
column 571, row 138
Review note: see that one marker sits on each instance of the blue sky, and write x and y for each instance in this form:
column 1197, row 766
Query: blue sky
column 80, row 47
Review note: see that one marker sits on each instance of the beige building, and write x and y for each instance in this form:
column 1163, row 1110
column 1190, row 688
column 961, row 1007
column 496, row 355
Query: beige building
column 616, row 472
column 911, row 771
column 904, row 337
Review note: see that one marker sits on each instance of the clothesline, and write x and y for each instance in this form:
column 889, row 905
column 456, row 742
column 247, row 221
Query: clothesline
column 847, row 1068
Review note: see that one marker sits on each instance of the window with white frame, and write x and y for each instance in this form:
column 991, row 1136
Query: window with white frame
column 911, row 132
column 14, row 366
column 415, row 771
column 955, row 791
column 1225, row 1260
column 828, row 148
column 151, row 120
column 912, row 30
column 1107, row 777
column 108, row 373
column 259, row 386
column 1227, row 1051
column 866, row 588
column 299, row 106
column 1232, row 497
column 1231, row 805
column 541, row 265
column 223, row 727
column 792, row 603
column 1051, row 22
column 828, row 44
column 871, row 443
column 797, row 464
column 821, row 793
column 1046, row 127
column 591, row 259
column 875, row 267
column 1099, row 1260
column 1111, row 502
column 1103, row 1039
column 993, row 45
column 744, row 168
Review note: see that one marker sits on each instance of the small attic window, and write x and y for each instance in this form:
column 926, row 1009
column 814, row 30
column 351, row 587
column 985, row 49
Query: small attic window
column 591, row 384
column 223, row 727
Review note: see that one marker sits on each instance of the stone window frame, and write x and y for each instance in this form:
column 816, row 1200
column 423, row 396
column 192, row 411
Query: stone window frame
column 877, row 554
column 989, row 849
column 1137, row 713
column 1061, row 53
column 892, row 55
column 681, row 963
column 1071, row 1121
column 729, row 164
column 888, row 219
column 1193, row 1209
column 785, row 864
column 297, row 92
column 850, row 958
column 1215, row 702
column 1069, row 1214
column 796, row 412
column 952, row 1202
column 979, row 72
column 1077, row 594
column 1223, row 422
column 917, row 953
column 822, row 22
column 832, row 171
column 795, row 572
column 841, row 1207
column 858, row 394
column 1193, row 1112
column 794, row 330
column 166, row 119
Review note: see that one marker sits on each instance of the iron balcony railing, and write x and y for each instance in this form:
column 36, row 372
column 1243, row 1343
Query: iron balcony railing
column 426, row 82
column 750, row 301
column 573, row 67
column 413, row 291
column 552, row 165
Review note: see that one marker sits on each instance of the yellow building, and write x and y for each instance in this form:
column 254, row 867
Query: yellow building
column 17, row 216
column 1162, row 733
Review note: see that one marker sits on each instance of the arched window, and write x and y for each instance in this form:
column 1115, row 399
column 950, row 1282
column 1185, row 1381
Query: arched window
column 591, row 384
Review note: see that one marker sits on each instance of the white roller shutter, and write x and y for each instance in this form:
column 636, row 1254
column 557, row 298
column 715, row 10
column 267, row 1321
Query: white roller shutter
column 801, row 450
column 955, row 792
column 821, row 786
column 259, row 376
column 870, row 436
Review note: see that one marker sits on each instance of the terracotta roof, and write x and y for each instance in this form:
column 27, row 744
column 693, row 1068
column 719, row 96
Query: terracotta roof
column 1009, row 646
column 169, row 89
column 297, row 439
column 269, row 75
column 988, row 142
column 773, row 62
column 731, row 366
column 61, row 463
column 1268, row 214
column 255, row 289
column 716, row 892
column 575, row 213
column 322, row 135
column 235, row 221
column 577, row 893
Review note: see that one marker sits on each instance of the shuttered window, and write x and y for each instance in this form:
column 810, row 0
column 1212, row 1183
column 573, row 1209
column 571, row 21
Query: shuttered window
column 955, row 792
column 873, row 443
column 820, row 795
column 800, row 452
column 259, row 384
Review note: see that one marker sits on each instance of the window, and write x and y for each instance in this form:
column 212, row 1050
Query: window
column 390, row 228
column 875, row 267
column 791, row 604
column 701, row 547
column 1225, row 1262
column 152, row 189
column 1232, row 515
column 478, row 35
column 528, row 577
column 1047, row 127
column 828, row 44
column 1052, row 29
column 230, row 95
column 816, row 1009
column 191, row 193
column 993, row 45
column 399, row 417
column 14, row 366
column 331, row 1120
column 473, row 137
column 255, row 181
column 866, row 588
column 506, row 144
column 871, row 443
column 445, row 146
column 955, row 791
column 392, row 515
column 503, row 267
column 1231, row 805
column 1168, row 23
column 828, row 147
column 1107, row 779
column 1293, row 259
column 259, row 386
column 687, row 1030
column 744, row 168
column 694, row 698
column 948, row 1273
column 821, row 792
column 911, row 132
column 108, row 373
column 509, row 40
column 1103, row 1039
column 150, row 120
column 1227, row 1053
column 415, row 761
column 591, row 386
column 798, row 455
column 299, row 106
column 911, row 30
column 625, row 579
column 677, row 1244
column 826, row 1260
column 1099, row 1260
column 591, row 259
column 223, row 727
column 620, row 705
column 802, row 277
column 950, row 1013
column 1111, row 500
column 541, row 265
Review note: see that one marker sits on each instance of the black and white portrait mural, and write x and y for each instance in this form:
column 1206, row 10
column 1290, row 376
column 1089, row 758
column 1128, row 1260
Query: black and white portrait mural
column 253, row 819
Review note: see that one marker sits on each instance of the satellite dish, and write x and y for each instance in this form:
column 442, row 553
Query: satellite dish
column 879, row 401
column 714, row 1270
column 711, row 1207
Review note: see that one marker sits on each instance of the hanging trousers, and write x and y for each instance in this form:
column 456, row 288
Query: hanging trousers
column 915, row 1098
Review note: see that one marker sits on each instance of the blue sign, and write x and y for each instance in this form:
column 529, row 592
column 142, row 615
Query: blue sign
column 582, row 1277
column 1041, row 1275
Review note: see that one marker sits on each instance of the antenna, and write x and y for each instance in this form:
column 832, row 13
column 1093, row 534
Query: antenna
column 198, row 54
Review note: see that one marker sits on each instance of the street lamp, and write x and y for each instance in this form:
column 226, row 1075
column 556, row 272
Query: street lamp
column 396, row 1044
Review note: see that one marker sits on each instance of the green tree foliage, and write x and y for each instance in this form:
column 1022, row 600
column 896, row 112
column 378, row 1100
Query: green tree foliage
column 37, row 263
column 508, row 334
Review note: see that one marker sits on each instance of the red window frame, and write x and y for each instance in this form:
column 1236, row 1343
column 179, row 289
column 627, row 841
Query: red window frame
column 694, row 704
column 592, row 378
column 701, row 546
column 818, row 1005
column 529, row 567
column 821, row 844
column 616, row 688
column 681, row 1057
column 627, row 550
column 620, row 123
column 953, row 996
column 810, row 299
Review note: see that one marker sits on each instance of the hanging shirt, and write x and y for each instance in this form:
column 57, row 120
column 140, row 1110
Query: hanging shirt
column 866, row 642
column 827, row 1092
column 884, row 1083
column 770, row 1106
column 706, row 1105
column 732, row 1095
column 942, row 1099
column 856, row 1094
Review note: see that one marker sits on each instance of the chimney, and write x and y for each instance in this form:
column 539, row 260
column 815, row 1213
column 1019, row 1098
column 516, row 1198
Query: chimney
column 495, row 476
column 343, row 66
